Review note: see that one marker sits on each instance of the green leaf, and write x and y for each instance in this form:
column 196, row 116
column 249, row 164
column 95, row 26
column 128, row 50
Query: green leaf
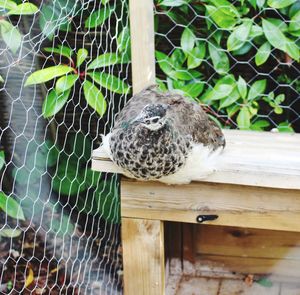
column 294, row 26
column 10, row 233
column 108, row 201
column 221, row 16
column 228, row 8
column 218, row 92
column 62, row 226
column 280, row 3
column 260, row 3
column 94, row 97
column 274, row 35
column 239, row 35
column 178, row 58
column 105, row 60
column 8, row 4
column 219, row 59
column 10, row 35
column 92, row 178
column 61, row 50
column 292, row 49
column 11, row 207
column 2, row 159
column 263, row 53
column 285, row 127
column 81, row 56
column 257, row 89
column 279, row 40
column 80, row 145
column 260, row 125
column 1, row 79
column 110, row 82
column 196, row 56
column 24, row 9
column 232, row 109
column 47, row 74
column 265, row 282
column 187, row 40
column 123, row 41
column 194, row 89
column 242, row 87
column 232, row 97
column 64, row 83
column 68, row 180
column 256, row 31
column 54, row 102
column 173, row 3
column 243, row 118
column 98, row 17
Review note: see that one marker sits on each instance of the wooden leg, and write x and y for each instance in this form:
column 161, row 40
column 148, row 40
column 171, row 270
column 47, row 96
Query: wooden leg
column 143, row 256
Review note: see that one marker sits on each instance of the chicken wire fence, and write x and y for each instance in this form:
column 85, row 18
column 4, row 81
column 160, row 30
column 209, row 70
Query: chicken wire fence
column 65, row 74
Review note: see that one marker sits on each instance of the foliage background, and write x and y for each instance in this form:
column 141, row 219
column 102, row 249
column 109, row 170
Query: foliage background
column 65, row 74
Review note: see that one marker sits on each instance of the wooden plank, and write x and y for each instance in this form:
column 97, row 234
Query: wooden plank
column 234, row 241
column 142, row 43
column 198, row 286
column 244, row 206
column 249, row 265
column 234, row 287
column 250, row 158
column 143, row 256
column 290, row 289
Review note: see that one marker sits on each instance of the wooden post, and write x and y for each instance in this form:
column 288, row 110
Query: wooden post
column 143, row 240
column 143, row 256
column 142, row 43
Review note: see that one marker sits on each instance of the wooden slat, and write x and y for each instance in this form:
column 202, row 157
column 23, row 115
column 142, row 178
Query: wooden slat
column 244, row 206
column 142, row 43
column 234, row 241
column 247, row 265
column 250, row 158
column 143, row 256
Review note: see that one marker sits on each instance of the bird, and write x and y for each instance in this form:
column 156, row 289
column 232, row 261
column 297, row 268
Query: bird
column 164, row 136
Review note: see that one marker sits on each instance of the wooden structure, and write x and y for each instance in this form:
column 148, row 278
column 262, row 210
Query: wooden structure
column 257, row 187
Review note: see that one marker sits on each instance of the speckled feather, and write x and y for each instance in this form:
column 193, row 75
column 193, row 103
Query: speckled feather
column 164, row 153
column 187, row 116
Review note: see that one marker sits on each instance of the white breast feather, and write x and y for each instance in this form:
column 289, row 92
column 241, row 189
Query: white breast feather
column 201, row 162
column 105, row 144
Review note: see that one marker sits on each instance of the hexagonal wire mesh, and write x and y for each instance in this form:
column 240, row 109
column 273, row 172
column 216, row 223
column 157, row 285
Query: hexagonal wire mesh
column 239, row 58
column 64, row 74
column 65, row 71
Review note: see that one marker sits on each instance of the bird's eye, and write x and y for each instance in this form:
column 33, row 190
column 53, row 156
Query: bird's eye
column 155, row 120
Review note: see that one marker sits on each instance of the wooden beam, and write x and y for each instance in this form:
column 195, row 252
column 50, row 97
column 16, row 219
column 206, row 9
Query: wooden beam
column 142, row 43
column 239, row 242
column 143, row 256
column 236, row 205
column 261, row 159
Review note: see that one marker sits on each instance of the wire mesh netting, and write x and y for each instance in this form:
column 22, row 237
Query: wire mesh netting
column 239, row 58
column 65, row 74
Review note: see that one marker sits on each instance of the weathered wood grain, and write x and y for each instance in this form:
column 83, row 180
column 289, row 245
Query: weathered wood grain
column 142, row 43
column 236, row 205
column 143, row 256
column 239, row 242
column 250, row 158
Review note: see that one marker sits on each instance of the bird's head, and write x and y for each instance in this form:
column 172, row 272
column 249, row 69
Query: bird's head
column 152, row 116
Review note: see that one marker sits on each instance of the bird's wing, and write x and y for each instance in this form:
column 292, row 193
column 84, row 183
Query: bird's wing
column 188, row 116
column 191, row 119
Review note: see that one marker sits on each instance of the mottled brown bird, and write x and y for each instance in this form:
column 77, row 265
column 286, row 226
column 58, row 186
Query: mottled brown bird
column 164, row 136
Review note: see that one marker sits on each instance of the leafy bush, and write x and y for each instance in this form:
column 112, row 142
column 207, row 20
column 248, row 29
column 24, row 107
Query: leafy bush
column 219, row 53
